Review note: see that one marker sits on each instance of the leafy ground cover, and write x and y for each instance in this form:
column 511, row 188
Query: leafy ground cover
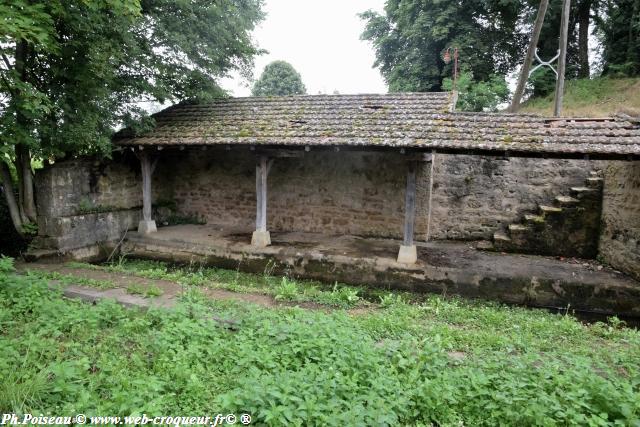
column 69, row 279
column 281, row 288
column 437, row 362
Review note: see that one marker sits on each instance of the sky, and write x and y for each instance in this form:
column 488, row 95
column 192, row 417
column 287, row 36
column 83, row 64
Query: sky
column 321, row 39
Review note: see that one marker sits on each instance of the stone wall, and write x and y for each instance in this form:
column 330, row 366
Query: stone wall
column 363, row 193
column 620, row 238
column 69, row 187
column 346, row 192
column 84, row 202
column 335, row 193
column 475, row 196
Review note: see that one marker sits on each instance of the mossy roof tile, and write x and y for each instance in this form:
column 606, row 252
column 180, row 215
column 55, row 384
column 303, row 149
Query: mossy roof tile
column 412, row 120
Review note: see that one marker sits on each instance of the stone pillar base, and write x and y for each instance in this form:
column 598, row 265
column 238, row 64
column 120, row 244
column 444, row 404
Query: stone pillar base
column 261, row 239
column 408, row 254
column 146, row 227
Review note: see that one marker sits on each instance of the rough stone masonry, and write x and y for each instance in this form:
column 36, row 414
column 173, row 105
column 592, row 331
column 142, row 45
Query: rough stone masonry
column 85, row 202
column 359, row 193
column 620, row 237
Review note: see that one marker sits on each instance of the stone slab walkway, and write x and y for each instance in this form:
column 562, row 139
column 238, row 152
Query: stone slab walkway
column 171, row 291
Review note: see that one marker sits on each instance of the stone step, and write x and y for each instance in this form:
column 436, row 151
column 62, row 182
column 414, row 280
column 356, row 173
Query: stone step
column 500, row 237
column 518, row 228
column 566, row 201
column 582, row 190
column 485, row 245
column 594, row 182
column 533, row 219
column 41, row 255
column 549, row 210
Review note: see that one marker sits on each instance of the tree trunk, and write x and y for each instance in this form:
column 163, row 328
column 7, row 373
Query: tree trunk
column 20, row 201
column 584, row 15
column 526, row 66
column 16, row 165
column 633, row 56
column 23, row 157
column 23, row 164
column 14, row 210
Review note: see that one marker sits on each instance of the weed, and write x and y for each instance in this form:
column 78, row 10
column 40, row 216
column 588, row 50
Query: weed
column 287, row 290
column 6, row 264
column 391, row 300
column 86, row 207
column 30, row 228
column 300, row 367
column 21, row 388
column 343, row 295
column 153, row 291
column 147, row 291
column 195, row 274
column 70, row 279
column 268, row 269
column 197, row 278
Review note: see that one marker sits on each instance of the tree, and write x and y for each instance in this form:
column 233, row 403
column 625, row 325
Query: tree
column 71, row 71
column 528, row 59
column 478, row 96
column 279, row 78
column 618, row 23
column 411, row 35
column 584, row 19
column 577, row 62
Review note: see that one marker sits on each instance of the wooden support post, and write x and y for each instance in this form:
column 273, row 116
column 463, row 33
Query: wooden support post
column 410, row 205
column 147, row 224
column 433, row 160
column 261, row 237
column 261, row 193
column 562, row 61
column 408, row 251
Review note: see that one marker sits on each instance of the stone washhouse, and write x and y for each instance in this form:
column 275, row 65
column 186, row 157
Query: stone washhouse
column 396, row 191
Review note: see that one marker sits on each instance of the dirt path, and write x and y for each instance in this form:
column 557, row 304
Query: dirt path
column 171, row 291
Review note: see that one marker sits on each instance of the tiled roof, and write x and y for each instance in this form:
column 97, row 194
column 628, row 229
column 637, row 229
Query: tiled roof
column 411, row 120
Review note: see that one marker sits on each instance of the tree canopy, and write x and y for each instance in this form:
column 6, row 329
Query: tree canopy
column 619, row 25
column 478, row 96
column 279, row 78
column 410, row 37
column 72, row 70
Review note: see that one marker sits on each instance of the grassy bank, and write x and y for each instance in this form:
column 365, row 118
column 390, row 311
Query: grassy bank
column 437, row 362
column 600, row 97
column 281, row 288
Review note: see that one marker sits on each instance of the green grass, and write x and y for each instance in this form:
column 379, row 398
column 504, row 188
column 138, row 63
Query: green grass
column 70, row 279
column 599, row 97
column 440, row 362
column 146, row 291
column 281, row 288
